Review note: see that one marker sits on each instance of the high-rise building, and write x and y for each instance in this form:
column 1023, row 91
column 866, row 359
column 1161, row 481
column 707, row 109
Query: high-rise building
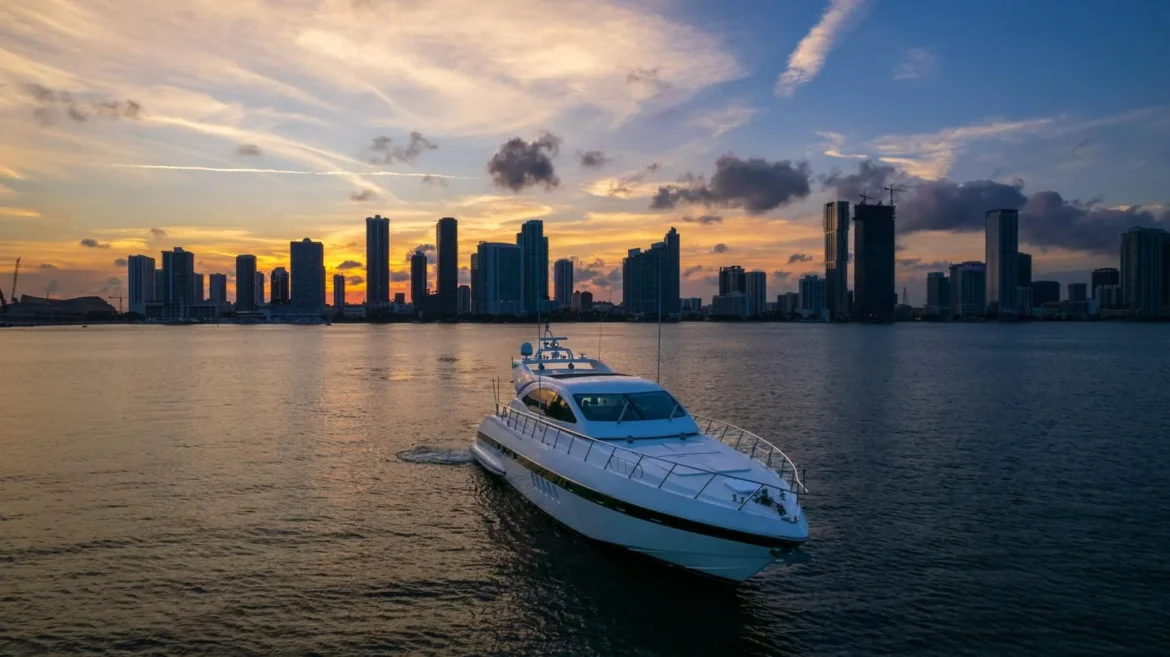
column 534, row 246
column 1143, row 252
column 218, row 291
column 197, row 289
column 836, row 224
column 338, row 293
column 1045, row 292
column 1002, row 246
column 1108, row 296
column 563, row 282
column 756, row 290
column 447, row 279
column 651, row 277
column 178, row 272
column 377, row 260
column 1024, row 263
column 733, row 304
column 400, row 298
column 1078, row 292
column 498, row 282
column 160, row 286
column 279, row 287
column 474, row 267
column 245, row 283
column 418, row 278
column 732, row 279
column 464, row 295
column 307, row 261
column 259, row 288
column 140, row 280
column 873, row 262
column 938, row 295
column 586, row 301
column 788, row 304
column 969, row 289
column 1104, row 276
column 814, row 295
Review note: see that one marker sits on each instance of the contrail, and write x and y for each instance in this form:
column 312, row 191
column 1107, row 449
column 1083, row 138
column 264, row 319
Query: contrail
column 291, row 172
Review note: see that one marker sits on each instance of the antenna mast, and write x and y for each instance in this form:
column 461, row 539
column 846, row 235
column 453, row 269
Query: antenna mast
column 891, row 189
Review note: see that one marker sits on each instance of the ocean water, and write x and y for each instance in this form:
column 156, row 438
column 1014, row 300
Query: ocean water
column 975, row 489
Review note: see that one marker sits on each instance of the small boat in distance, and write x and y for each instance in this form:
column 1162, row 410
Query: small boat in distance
column 619, row 460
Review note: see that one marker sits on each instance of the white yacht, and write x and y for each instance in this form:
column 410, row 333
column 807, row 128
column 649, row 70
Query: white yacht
column 619, row 460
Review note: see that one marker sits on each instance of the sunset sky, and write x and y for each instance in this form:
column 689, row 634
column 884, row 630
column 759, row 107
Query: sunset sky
column 228, row 127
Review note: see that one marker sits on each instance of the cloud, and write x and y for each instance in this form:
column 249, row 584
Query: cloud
column 250, row 150
column 835, row 143
column 363, row 195
column 428, row 249
column 594, row 159
column 755, row 184
column 158, row 233
column 869, row 179
column 120, row 262
column 781, row 275
column 46, row 265
column 918, row 62
column 919, row 264
column 354, row 280
column 809, row 57
column 799, row 257
column 648, row 78
column 350, row 264
column 691, row 271
column 52, row 287
column 51, row 101
column 1049, row 220
column 384, row 152
column 623, row 187
column 704, row 219
column 720, row 248
column 288, row 172
column 711, row 281
column 931, row 155
column 113, row 281
column 520, row 164
column 946, row 205
column 94, row 244
column 399, row 276
column 19, row 213
column 595, row 274
column 724, row 119
column 434, row 181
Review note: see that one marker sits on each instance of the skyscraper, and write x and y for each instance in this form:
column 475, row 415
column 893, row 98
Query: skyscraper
column 218, row 291
column 160, row 286
column 968, row 289
column 377, row 260
column 1024, row 262
column 498, row 279
column 732, row 279
column 418, row 278
column 279, row 287
column 475, row 282
column 259, row 288
column 178, row 272
column 756, row 290
column 447, row 280
column 245, row 283
column 813, row 296
column 873, row 262
column 1104, row 276
column 836, row 224
column 652, row 277
column 197, row 289
column 338, row 293
column 140, row 280
column 1045, row 292
column 938, row 295
column 307, row 259
column 563, row 282
column 534, row 262
column 1078, row 292
column 464, row 295
column 1002, row 247
column 1142, row 254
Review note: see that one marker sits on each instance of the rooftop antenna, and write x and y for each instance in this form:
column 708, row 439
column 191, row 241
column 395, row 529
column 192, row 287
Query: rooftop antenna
column 891, row 189
column 865, row 198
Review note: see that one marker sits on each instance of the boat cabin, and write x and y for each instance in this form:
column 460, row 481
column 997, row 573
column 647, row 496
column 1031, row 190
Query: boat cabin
column 606, row 405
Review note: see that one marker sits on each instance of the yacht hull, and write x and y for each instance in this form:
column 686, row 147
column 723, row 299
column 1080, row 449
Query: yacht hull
column 620, row 522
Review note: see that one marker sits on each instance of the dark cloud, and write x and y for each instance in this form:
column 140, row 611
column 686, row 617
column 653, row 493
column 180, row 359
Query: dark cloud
column 464, row 275
column 649, row 78
column 399, row 276
column 720, row 248
column 94, row 244
column 799, row 257
column 594, row 159
column 870, row 178
column 950, row 206
column 713, row 281
column 46, row 265
column 755, row 184
column 595, row 274
column 158, row 233
column 52, row 286
column 51, row 101
column 1048, row 220
column 520, row 164
column 691, row 271
column 428, row 249
column 781, row 275
column 350, row 264
column 250, row 150
column 704, row 219
column 120, row 262
column 621, row 187
column 113, row 281
column 354, row 280
column 384, row 152
column 362, row 196
column 434, row 181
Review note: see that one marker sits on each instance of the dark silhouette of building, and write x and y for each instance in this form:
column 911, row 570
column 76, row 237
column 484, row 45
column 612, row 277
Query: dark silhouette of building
column 418, row 278
column 197, row 288
column 278, row 282
column 1104, row 276
column 563, row 282
column 938, row 295
column 1143, row 270
column 259, row 288
column 586, row 301
column 160, row 286
column 338, row 293
column 464, row 299
column 1045, row 292
column 1025, row 266
column 307, row 259
column 140, row 279
column 1002, row 247
column 732, row 279
column 651, row 278
column 836, row 225
column 968, row 289
column 534, row 264
column 400, row 298
column 475, row 282
column 499, row 280
column 377, row 259
column 447, row 248
column 218, row 291
column 1077, row 292
column 178, row 274
column 873, row 262
column 245, row 283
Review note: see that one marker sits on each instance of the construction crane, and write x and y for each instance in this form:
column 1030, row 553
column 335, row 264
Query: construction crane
column 865, row 198
column 119, row 298
column 15, row 274
column 891, row 189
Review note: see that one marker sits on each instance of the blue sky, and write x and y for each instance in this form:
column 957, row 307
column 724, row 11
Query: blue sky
column 1063, row 96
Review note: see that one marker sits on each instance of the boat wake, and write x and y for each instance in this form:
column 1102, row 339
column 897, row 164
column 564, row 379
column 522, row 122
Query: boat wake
column 435, row 456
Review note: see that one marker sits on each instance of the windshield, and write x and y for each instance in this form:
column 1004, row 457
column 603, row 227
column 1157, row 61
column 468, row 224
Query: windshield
column 629, row 407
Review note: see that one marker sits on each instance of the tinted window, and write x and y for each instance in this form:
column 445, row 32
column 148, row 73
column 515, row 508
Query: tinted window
column 656, row 405
column 548, row 403
column 602, row 408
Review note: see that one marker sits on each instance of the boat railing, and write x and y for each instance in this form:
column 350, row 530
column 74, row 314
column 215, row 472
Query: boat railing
column 692, row 481
column 759, row 449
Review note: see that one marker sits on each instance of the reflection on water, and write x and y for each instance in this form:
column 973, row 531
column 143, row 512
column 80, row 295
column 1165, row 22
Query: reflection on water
column 263, row 489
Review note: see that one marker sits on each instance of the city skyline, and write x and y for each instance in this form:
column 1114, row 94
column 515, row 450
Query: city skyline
column 217, row 148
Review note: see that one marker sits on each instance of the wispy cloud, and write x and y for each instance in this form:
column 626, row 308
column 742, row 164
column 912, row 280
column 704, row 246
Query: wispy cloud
column 918, row 63
column 290, row 172
column 724, row 119
column 809, row 57
column 18, row 213
column 835, row 141
column 931, row 155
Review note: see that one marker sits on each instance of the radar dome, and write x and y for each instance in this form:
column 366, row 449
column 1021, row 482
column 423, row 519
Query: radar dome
column 526, row 349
